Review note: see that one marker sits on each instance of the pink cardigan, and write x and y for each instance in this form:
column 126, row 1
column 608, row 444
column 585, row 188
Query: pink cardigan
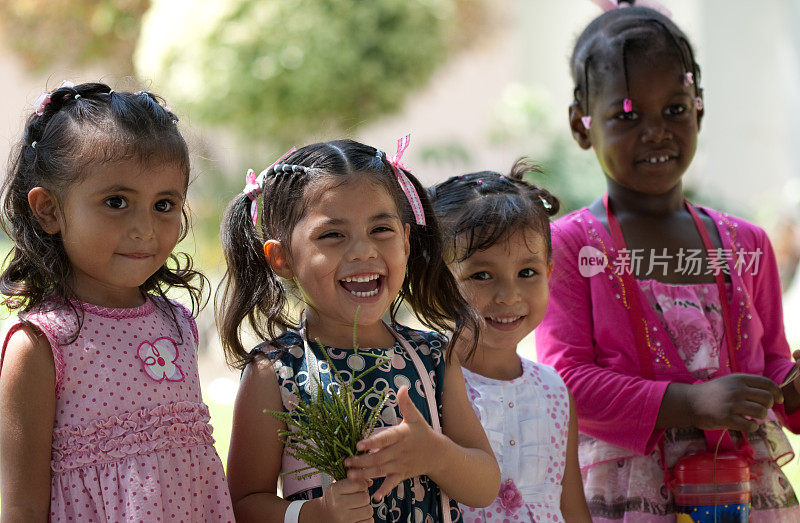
column 587, row 335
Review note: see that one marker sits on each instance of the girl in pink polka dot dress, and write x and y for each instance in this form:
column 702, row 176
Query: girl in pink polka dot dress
column 499, row 252
column 99, row 392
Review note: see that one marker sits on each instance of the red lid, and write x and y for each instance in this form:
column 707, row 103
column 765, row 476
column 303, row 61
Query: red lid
column 698, row 469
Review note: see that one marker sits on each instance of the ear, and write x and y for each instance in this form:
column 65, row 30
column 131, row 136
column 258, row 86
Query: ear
column 44, row 206
column 579, row 132
column 549, row 269
column 278, row 258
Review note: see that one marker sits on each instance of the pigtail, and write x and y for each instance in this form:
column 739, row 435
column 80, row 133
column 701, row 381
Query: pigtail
column 429, row 286
column 250, row 288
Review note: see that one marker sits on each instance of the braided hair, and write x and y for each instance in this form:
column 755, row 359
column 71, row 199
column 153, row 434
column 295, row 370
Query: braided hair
column 83, row 125
column 609, row 40
column 477, row 210
column 251, row 292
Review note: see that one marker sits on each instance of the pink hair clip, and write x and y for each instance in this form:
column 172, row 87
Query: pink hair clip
column 688, row 79
column 43, row 99
column 627, row 105
column 610, row 5
column 587, row 122
column 405, row 183
column 254, row 185
column 698, row 103
column 478, row 181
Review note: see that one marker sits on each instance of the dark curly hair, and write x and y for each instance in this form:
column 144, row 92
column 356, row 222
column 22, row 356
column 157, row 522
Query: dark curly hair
column 84, row 125
column 252, row 292
column 477, row 210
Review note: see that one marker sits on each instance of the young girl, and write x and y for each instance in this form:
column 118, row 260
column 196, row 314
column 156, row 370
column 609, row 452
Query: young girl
column 665, row 318
column 353, row 231
column 99, row 393
column 498, row 232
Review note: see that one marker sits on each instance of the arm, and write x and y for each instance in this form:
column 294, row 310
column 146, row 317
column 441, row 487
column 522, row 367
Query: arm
column 595, row 354
column 573, row 500
column 254, row 460
column 460, row 460
column 27, row 408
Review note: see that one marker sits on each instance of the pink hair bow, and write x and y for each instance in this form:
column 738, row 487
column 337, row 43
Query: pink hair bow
column 43, row 99
column 610, row 5
column 254, row 185
column 405, row 183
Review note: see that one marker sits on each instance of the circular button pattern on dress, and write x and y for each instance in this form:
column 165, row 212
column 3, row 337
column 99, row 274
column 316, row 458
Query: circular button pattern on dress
column 510, row 404
column 512, row 442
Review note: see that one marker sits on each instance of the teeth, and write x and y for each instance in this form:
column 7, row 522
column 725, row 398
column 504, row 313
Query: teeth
column 365, row 294
column 659, row 159
column 362, row 279
column 505, row 320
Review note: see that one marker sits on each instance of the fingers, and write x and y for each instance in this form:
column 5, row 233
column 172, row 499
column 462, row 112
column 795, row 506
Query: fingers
column 761, row 382
column 383, row 439
column 391, row 481
column 752, row 410
column 407, row 408
column 737, row 422
column 350, row 486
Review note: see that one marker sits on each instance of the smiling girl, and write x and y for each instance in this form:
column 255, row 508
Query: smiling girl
column 352, row 230
column 676, row 347
column 499, row 252
column 99, row 392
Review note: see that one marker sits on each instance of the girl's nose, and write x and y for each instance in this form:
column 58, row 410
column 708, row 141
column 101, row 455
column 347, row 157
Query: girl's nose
column 142, row 226
column 361, row 249
column 655, row 130
column 507, row 294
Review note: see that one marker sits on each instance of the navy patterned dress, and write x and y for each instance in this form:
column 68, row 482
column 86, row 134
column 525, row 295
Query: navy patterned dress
column 415, row 499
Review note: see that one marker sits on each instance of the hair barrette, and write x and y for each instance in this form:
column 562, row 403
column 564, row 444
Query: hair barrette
column 627, row 105
column 688, row 79
column 33, row 144
column 698, row 103
column 547, row 205
column 478, row 182
column 254, row 185
column 45, row 98
column 587, row 122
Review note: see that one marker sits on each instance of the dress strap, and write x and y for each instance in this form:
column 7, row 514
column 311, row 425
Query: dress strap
column 433, row 408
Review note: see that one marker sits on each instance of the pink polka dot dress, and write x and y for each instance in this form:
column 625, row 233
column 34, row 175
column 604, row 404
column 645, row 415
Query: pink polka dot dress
column 527, row 422
column 131, row 439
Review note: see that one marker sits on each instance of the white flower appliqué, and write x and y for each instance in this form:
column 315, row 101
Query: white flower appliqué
column 158, row 359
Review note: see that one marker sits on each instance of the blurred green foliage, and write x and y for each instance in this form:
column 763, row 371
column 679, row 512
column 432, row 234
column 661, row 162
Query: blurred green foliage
column 72, row 32
column 286, row 69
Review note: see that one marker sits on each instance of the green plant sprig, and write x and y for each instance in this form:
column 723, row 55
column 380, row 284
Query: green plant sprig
column 324, row 431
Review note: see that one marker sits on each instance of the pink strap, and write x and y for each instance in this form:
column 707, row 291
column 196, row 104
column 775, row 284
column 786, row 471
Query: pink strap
column 433, row 408
column 405, row 183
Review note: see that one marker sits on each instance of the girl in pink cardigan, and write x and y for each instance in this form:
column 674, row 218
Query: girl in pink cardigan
column 664, row 318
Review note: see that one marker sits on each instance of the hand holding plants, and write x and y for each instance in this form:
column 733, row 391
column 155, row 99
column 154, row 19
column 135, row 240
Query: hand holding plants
column 397, row 453
column 347, row 501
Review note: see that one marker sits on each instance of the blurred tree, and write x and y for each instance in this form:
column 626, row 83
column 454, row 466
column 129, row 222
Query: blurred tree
column 72, row 32
column 287, row 69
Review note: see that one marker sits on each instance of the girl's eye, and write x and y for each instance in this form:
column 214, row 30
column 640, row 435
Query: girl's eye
column 330, row 235
column 674, row 110
column 527, row 273
column 116, row 202
column 481, row 276
column 382, row 228
column 163, row 206
column 628, row 117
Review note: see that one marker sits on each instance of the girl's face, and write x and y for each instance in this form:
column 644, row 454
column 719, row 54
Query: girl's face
column 648, row 149
column 348, row 251
column 507, row 285
column 118, row 225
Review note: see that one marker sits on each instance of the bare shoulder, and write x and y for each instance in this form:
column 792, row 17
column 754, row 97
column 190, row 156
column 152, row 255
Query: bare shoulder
column 27, row 351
